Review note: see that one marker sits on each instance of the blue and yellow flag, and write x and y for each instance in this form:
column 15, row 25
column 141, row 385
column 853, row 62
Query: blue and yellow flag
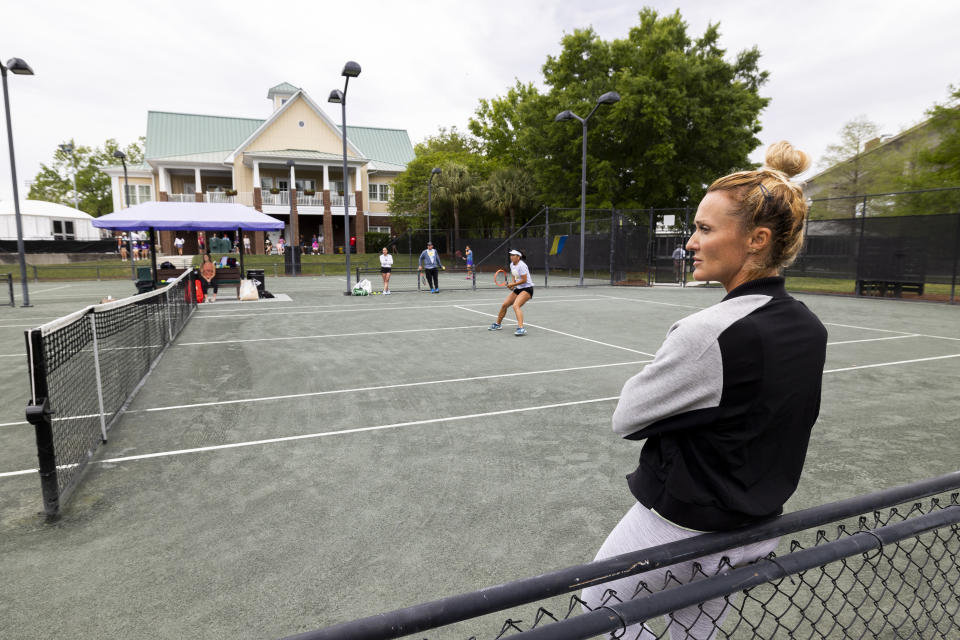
column 558, row 242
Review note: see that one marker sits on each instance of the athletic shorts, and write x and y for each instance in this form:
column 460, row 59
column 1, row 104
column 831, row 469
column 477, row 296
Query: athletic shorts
column 385, row 269
column 527, row 289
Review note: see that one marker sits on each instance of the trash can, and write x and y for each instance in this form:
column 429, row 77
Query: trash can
column 291, row 261
column 258, row 278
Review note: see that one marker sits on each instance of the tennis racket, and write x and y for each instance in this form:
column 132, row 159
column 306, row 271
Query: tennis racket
column 500, row 278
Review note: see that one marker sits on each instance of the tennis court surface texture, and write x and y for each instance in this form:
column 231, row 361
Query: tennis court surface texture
column 291, row 465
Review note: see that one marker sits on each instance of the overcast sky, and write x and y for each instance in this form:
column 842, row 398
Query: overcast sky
column 101, row 65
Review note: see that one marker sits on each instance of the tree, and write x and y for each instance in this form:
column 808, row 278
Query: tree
column 849, row 165
column 409, row 198
column 506, row 191
column 942, row 162
column 454, row 186
column 686, row 116
column 55, row 181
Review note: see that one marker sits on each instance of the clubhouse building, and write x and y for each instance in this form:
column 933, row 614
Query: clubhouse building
column 289, row 166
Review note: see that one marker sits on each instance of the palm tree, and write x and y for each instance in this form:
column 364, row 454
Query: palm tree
column 455, row 185
column 506, row 191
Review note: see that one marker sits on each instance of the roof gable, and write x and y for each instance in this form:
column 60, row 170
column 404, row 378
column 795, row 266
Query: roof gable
column 283, row 89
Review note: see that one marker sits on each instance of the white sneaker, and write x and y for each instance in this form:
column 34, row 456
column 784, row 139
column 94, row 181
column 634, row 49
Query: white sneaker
column 386, row 293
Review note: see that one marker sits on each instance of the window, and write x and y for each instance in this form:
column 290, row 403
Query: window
column 337, row 186
column 266, row 183
column 303, row 185
column 379, row 192
column 283, row 185
column 63, row 230
column 137, row 193
column 375, row 229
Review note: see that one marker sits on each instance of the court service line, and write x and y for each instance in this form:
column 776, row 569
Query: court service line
column 411, row 384
column 37, row 292
column 666, row 304
column 890, row 364
column 352, row 309
column 569, row 335
column 329, row 335
column 910, row 335
column 388, row 386
column 323, row 434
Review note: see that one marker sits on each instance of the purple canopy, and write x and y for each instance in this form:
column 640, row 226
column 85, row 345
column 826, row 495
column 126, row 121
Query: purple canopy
column 188, row 216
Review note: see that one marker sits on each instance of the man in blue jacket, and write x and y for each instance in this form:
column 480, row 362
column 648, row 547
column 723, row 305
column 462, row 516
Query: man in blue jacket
column 430, row 263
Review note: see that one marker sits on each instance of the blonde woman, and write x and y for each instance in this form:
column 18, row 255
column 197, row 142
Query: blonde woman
column 727, row 452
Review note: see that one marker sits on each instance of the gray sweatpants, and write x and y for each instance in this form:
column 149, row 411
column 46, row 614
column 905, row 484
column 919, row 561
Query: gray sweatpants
column 640, row 529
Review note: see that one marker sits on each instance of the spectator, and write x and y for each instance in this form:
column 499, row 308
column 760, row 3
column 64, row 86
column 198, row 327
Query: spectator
column 429, row 264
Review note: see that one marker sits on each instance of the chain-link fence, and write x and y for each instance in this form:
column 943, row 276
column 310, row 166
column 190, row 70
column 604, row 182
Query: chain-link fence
column 884, row 565
column 890, row 244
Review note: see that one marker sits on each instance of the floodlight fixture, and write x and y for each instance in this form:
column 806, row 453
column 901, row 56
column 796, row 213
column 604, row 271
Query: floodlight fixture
column 19, row 66
column 351, row 69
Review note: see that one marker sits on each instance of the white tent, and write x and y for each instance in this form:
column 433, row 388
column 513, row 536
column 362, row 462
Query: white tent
column 46, row 221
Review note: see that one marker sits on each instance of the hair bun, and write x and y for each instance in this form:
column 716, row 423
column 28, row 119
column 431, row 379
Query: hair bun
column 782, row 156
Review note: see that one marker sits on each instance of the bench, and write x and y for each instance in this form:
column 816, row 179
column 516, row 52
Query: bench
column 882, row 287
column 228, row 275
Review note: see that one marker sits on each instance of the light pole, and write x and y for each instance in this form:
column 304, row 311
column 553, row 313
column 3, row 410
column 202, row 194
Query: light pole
column 294, row 224
column 350, row 70
column 434, row 172
column 20, row 68
column 125, row 202
column 609, row 97
column 68, row 148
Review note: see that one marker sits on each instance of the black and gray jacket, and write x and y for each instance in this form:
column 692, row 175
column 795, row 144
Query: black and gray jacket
column 726, row 408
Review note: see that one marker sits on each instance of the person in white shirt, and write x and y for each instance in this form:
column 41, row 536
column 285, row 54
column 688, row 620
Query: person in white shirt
column 178, row 243
column 521, row 290
column 678, row 256
column 386, row 265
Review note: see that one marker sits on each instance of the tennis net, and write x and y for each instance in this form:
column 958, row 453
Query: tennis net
column 86, row 367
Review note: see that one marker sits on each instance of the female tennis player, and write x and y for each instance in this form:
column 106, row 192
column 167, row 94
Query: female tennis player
column 521, row 290
column 386, row 266
column 727, row 405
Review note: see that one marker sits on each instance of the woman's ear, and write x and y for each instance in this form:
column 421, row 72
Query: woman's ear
column 759, row 239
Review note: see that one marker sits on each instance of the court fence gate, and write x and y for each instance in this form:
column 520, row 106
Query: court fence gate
column 879, row 565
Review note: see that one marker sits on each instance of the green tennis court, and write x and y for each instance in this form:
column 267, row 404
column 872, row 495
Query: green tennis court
column 294, row 464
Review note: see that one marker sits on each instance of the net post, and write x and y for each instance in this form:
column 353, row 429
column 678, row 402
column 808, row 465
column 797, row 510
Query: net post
column 96, row 371
column 38, row 414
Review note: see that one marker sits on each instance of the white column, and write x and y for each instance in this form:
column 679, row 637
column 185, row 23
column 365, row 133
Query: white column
column 196, row 185
column 256, row 174
column 116, row 185
column 326, row 178
column 293, row 177
column 164, row 180
column 358, row 183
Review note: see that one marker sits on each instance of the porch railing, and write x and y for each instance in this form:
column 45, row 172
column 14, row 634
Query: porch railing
column 304, row 200
column 337, row 200
column 218, row 196
column 281, row 199
column 181, row 197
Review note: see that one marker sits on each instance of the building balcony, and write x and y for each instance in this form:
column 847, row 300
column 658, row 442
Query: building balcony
column 303, row 200
column 337, row 200
column 219, row 197
column 181, row 197
column 281, row 199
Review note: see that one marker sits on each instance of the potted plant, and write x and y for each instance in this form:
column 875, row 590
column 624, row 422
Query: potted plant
column 230, row 192
column 274, row 190
column 309, row 192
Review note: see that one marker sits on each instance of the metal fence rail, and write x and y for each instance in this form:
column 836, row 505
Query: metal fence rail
column 848, row 518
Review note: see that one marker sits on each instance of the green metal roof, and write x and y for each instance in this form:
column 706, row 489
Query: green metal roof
column 387, row 145
column 284, row 88
column 188, row 134
column 180, row 134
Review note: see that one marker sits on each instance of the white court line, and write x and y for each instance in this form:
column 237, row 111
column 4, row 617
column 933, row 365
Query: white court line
column 306, row 436
column 373, row 388
column 13, row 326
column 35, row 292
column 329, row 335
column 353, row 307
column 890, row 364
column 569, row 335
column 911, row 335
column 852, row 326
column 387, row 386
column 666, row 304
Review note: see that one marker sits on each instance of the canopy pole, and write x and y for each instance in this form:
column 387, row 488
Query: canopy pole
column 240, row 247
column 153, row 254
